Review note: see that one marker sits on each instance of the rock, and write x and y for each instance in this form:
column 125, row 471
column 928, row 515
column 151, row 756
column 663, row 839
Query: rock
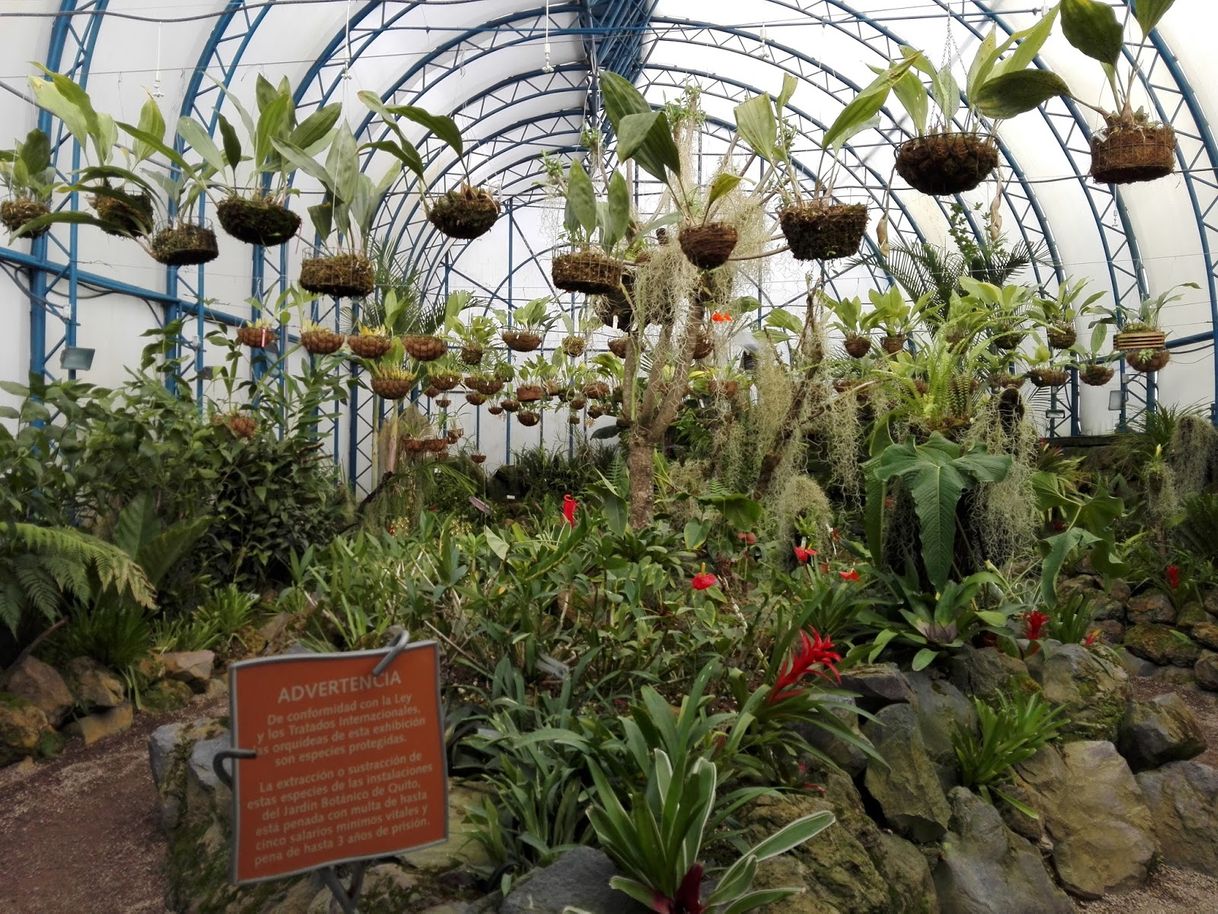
column 96, row 727
column 1206, row 634
column 42, row 686
column 22, row 728
column 201, row 768
column 93, row 685
column 988, row 673
column 877, row 685
column 1151, row 606
column 580, row 879
column 161, row 746
column 460, row 848
column 1153, row 733
column 1134, row 665
column 1111, row 631
column 1092, row 692
column 1161, row 645
column 1093, row 811
column 906, row 786
column 1191, row 615
column 847, row 756
column 942, row 710
column 1210, row 602
column 275, row 629
column 1183, row 802
column 166, row 695
column 987, row 869
column 1179, row 677
column 908, row 875
column 1206, row 671
column 191, row 667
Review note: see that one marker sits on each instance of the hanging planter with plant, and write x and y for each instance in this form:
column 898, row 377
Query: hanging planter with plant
column 1140, row 331
column 424, row 348
column 465, row 212
column 524, row 329
column 257, row 334
column 894, row 316
column 319, row 340
column 370, row 342
column 1131, row 147
column 392, row 382
column 477, row 458
column 28, row 174
column 850, row 322
column 942, row 159
column 1147, row 360
column 528, row 418
column 1095, row 375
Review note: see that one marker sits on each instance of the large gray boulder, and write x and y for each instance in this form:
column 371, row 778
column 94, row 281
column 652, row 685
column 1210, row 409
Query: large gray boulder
column 23, row 727
column 905, row 785
column 985, row 868
column 1093, row 692
column 1183, row 801
column 1094, row 812
column 877, row 685
column 1155, row 732
column 580, row 879
column 191, row 667
column 942, row 710
column 93, row 685
column 41, row 685
column 1206, row 671
column 988, row 673
column 1161, row 644
column 1151, row 606
column 1206, row 634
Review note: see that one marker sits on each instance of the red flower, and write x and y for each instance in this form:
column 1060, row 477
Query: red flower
column 1172, row 573
column 850, row 575
column 688, row 899
column 1059, row 524
column 1092, row 637
column 803, row 554
column 813, row 651
column 569, row 506
column 703, row 580
column 749, row 539
column 1034, row 624
column 720, row 317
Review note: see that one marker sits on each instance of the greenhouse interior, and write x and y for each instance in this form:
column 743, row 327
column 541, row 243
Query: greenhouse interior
column 609, row 457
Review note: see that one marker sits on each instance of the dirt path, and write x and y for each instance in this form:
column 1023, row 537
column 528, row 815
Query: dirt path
column 81, row 832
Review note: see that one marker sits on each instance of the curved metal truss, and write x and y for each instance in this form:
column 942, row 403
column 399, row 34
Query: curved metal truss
column 626, row 36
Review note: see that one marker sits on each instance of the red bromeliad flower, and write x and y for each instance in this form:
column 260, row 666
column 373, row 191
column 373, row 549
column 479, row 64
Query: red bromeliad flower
column 688, row 899
column 703, row 579
column 1172, row 573
column 849, row 575
column 813, row 651
column 1092, row 637
column 720, row 317
column 803, row 554
column 569, row 507
column 1034, row 624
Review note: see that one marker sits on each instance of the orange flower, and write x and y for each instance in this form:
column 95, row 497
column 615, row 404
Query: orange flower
column 721, row 317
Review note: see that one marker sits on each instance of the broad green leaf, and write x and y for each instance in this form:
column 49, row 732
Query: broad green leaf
column 760, row 898
column 1030, row 40
column 1056, row 550
column 1149, row 13
column 647, row 139
column 441, row 125
column 621, row 98
column 983, row 61
column 923, row 658
column 1092, row 27
column 789, row 85
column 49, row 98
column 342, row 162
column 316, row 126
column 756, row 125
column 723, row 184
column 309, row 166
column 232, row 142
column 36, row 152
column 912, row 96
column 272, row 125
column 406, row 154
column 151, row 122
column 264, row 92
column 946, row 92
column 866, row 104
column 1017, row 92
column 197, row 139
column 581, row 198
column 617, row 221
column 322, row 217
column 792, row 835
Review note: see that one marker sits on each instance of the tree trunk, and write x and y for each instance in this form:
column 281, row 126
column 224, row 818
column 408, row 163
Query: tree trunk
column 640, row 464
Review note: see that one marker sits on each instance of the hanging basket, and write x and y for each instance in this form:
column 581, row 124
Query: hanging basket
column 341, row 276
column 521, row 340
column 1127, row 153
column 1005, row 381
column 574, row 346
column 392, row 388
column 893, row 343
column 184, row 245
column 474, row 398
column 465, row 213
column 528, row 418
column 574, row 419
column 946, row 163
column 257, row 220
column 256, row 337
column 242, row 425
column 596, row 390
column 577, row 402
column 1061, row 336
column 1048, row 377
column 820, row 230
column 1148, row 360
column 509, row 405
column 591, row 272
column 436, row 445
column 704, row 345
column 445, row 381
column 619, row 345
column 369, row 345
column 20, row 211
column 123, row 214
column 857, row 345
column 529, row 393
column 1137, row 340
column 424, row 348
column 495, row 410
column 472, row 355
column 708, row 246
column 1096, row 375
column 322, row 342
column 477, row 458
column 486, row 386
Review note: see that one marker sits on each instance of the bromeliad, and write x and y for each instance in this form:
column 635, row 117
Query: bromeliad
column 813, row 651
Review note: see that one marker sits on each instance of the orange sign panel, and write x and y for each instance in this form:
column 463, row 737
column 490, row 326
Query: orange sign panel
column 349, row 765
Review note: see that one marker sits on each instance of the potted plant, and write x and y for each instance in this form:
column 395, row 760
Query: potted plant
column 895, row 316
column 1006, row 310
column 851, row 323
column 524, row 329
column 1045, row 368
column 318, row 339
column 1093, row 359
column 1141, row 331
column 574, row 344
column 257, row 334
column 27, row 173
column 941, row 159
column 1058, row 315
column 444, row 373
column 343, row 219
column 596, row 233
column 1131, row 147
column 816, row 227
column 531, row 386
column 254, row 176
column 391, row 379
column 465, row 212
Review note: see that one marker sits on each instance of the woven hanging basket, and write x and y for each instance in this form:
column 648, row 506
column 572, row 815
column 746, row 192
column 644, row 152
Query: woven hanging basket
column 1061, row 336
column 529, row 393
column 1148, row 360
column 590, row 272
column 124, row 215
column 521, row 340
column 472, row 355
column 445, row 381
column 946, row 163
column 574, row 346
column 257, row 220
column 369, row 345
column 424, row 348
column 1096, row 375
column 1004, row 381
column 256, row 337
column 820, row 230
column 708, row 246
column 465, row 213
column 704, row 345
column 1137, row 340
column 19, row 211
column 893, row 343
column 1129, row 153
column 474, row 398
column 322, row 342
column 477, row 458
column 528, row 418
column 1048, row 377
column 184, row 246
column 392, row 388
column 341, row 276
column 857, row 345
column 619, row 346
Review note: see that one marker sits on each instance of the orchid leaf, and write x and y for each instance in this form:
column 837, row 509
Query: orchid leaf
column 1092, row 27
column 1149, row 13
column 1018, row 92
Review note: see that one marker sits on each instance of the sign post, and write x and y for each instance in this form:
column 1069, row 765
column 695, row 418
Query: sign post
column 341, row 761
